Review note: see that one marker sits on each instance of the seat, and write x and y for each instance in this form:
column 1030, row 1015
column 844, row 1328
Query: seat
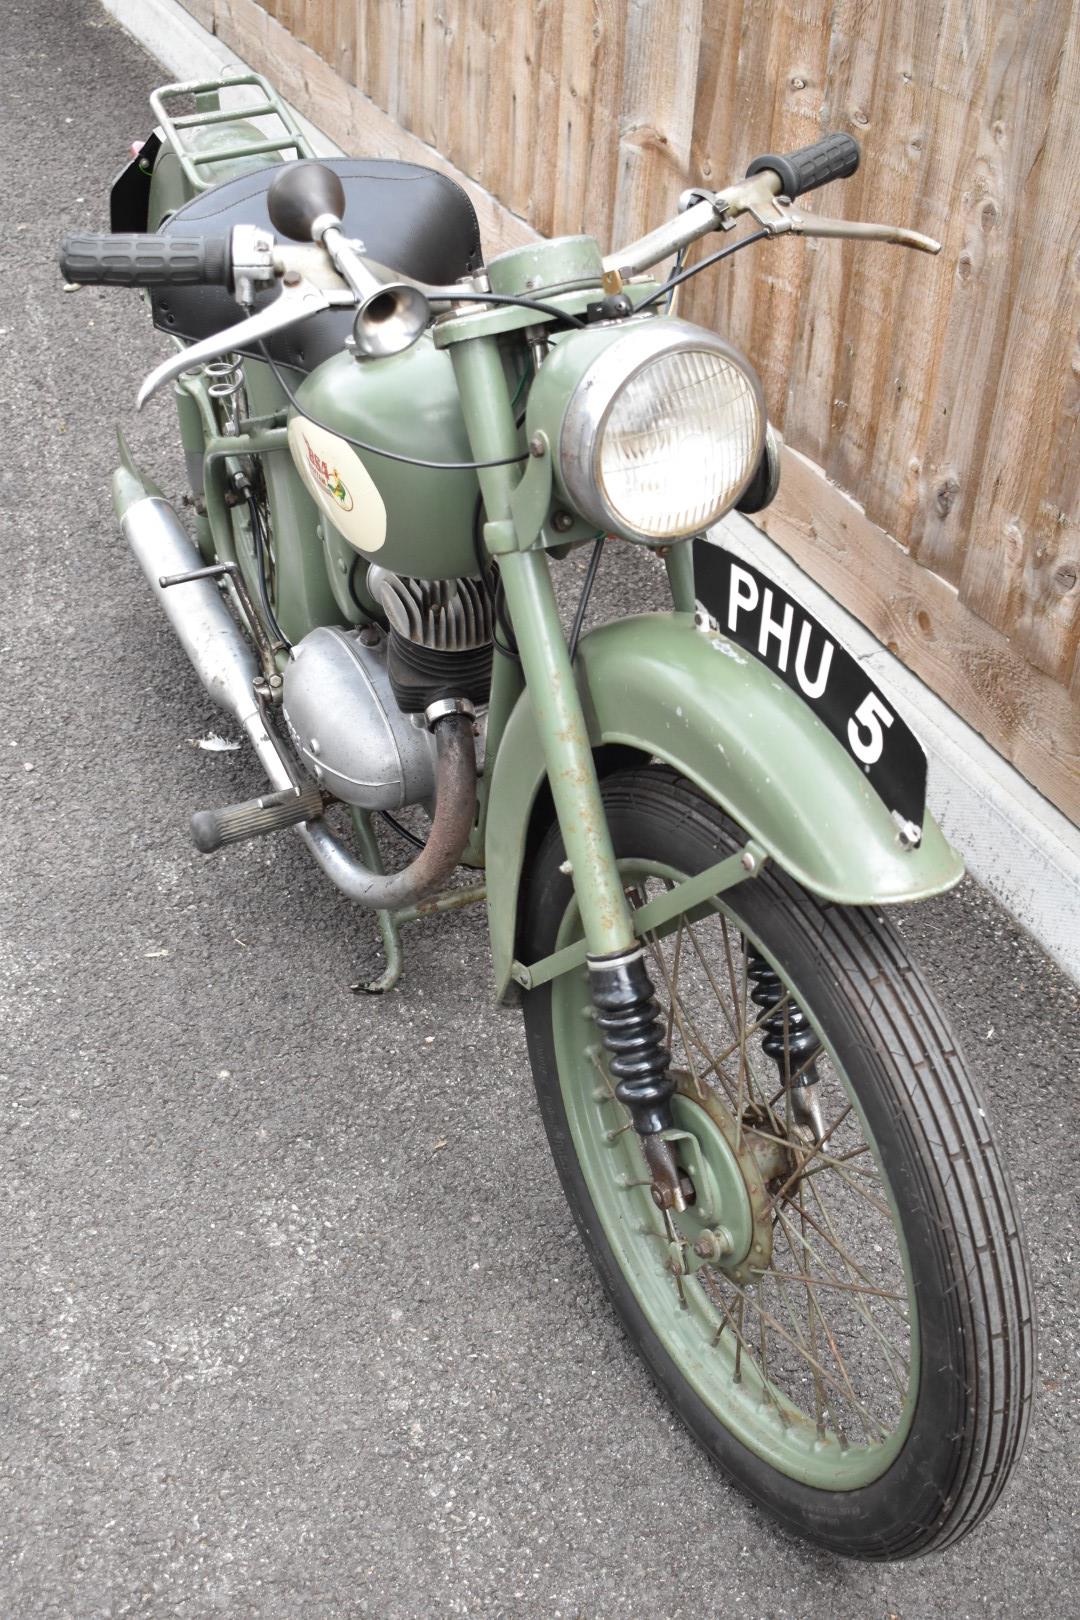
column 410, row 218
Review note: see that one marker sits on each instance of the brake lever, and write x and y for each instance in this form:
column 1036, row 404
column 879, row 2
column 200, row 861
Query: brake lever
column 298, row 299
column 779, row 218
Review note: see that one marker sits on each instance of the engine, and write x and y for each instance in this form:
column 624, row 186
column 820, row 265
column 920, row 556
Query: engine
column 354, row 700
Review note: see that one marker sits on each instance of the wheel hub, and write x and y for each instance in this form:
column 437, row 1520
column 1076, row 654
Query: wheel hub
column 729, row 1224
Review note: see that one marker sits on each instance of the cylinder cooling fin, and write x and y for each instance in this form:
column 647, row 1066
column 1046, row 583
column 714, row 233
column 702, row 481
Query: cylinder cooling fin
column 440, row 643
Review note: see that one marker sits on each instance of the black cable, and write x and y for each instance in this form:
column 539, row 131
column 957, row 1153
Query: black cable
column 493, row 591
column 695, row 269
column 586, row 591
column 392, row 821
column 525, row 303
column 376, row 449
column 259, row 540
column 680, row 260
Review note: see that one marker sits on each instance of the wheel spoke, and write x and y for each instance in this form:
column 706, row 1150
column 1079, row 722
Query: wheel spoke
column 813, row 1362
column 688, row 1033
column 854, row 1267
column 832, row 1282
column 901, row 1376
column 828, row 1378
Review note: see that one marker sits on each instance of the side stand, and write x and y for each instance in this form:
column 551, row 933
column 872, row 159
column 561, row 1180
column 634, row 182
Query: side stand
column 389, row 927
column 392, row 922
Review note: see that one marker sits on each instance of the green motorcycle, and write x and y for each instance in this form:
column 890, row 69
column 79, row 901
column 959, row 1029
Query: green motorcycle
column 684, row 824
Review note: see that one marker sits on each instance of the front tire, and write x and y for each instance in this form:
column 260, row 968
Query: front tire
column 843, row 1317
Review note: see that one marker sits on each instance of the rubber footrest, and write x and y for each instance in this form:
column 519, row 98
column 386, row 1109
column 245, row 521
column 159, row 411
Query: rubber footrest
column 233, row 823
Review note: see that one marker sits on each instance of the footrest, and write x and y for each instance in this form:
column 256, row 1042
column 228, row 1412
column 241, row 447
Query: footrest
column 212, row 829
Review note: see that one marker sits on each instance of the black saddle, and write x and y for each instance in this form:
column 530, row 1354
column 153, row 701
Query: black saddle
column 412, row 219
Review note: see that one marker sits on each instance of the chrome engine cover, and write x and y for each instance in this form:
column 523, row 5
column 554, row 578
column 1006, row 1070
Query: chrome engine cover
column 347, row 727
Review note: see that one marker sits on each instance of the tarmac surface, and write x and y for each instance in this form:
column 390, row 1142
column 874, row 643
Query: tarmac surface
column 295, row 1322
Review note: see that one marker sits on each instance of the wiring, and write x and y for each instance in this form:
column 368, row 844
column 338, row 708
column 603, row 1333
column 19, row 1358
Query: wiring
column 418, row 461
column 680, row 260
column 680, row 276
column 493, row 590
column 258, row 535
column 403, row 832
column 377, row 449
column 586, row 592
column 524, row 303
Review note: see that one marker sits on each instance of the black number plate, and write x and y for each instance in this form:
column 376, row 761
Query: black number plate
column 758, row 616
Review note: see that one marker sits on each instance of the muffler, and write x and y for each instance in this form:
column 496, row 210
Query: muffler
column 205, row 628
column 227, row 669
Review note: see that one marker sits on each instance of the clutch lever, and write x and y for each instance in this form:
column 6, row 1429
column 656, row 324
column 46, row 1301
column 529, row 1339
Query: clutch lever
column 780, row 218
column 298, row 299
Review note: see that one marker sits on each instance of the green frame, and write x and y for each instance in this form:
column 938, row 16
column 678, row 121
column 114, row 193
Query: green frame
column 663, row 685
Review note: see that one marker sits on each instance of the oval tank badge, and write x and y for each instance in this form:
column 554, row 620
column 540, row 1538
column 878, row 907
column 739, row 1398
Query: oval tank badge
column 342, row 486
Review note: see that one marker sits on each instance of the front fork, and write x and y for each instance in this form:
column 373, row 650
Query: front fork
column 627, row 1011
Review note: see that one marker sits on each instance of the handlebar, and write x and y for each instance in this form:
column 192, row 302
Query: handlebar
column 832, row 158
column 392, row 310
column 145, row 261
column 161, row 261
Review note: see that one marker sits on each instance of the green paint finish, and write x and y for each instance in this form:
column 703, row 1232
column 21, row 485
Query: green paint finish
column 614, row 1170
column 531, row 500
column 406, row 403
column 657, row 684
column 483, row 390
column 303, row 591
column 347, row 573
column 655, row 916
column 389, row 924
column 561, row 737
column 546, row 264
column 507, row 684
column 679, row 562
column 721, row 1197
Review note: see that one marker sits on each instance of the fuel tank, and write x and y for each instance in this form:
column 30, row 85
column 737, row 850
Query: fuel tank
column 413, row 520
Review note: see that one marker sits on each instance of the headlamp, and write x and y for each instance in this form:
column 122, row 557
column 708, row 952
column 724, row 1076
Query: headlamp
column 656, row 426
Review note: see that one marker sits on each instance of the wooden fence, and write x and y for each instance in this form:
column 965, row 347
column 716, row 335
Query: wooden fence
column 931, row 405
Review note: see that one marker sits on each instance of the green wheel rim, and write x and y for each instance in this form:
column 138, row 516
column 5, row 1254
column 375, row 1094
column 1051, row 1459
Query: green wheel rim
column 789, row 1389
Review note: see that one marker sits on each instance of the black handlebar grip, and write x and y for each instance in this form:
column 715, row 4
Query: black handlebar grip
column 145, row 261
column 833, row 158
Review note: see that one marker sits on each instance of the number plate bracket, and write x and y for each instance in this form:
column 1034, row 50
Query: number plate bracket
column 756, row 615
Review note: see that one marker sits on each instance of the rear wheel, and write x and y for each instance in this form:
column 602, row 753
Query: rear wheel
column 842, row 1316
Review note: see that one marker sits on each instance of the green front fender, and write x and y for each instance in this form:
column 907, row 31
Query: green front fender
column 657, row 684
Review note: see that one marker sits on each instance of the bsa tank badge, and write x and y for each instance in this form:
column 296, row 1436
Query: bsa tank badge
column 340, row 483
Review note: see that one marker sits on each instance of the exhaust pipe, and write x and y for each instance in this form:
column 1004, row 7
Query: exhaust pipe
column 226, row 666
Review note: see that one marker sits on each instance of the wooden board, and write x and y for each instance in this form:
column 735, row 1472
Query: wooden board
column 942, row 395
column 920, row 617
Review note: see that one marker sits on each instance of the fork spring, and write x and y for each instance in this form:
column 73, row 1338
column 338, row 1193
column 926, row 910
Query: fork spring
column 787, row 1037
column 628, row 1016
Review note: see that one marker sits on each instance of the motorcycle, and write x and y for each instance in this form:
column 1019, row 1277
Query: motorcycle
column 685, row 825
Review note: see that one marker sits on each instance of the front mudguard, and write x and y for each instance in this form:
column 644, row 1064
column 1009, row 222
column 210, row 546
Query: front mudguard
column 659, row 685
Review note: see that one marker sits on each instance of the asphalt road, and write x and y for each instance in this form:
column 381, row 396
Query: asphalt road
column 294, row 1321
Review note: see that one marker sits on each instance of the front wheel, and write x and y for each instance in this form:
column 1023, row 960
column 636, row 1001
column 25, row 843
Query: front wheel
column 842, row 1315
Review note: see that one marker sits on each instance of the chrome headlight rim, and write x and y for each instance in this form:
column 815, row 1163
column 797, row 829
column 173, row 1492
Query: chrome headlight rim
column 590, row 405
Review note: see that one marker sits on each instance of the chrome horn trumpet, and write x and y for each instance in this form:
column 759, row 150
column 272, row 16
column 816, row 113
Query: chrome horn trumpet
column 307, row 201
column 391, row 314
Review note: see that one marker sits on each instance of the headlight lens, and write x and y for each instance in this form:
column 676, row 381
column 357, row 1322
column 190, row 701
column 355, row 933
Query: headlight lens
column 663, row 432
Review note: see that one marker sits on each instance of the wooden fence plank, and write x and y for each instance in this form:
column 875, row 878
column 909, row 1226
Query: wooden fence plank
column 942, row 395
column 920, row 617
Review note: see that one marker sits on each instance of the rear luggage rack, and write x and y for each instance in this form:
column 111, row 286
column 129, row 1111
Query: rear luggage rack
column 209, row 111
